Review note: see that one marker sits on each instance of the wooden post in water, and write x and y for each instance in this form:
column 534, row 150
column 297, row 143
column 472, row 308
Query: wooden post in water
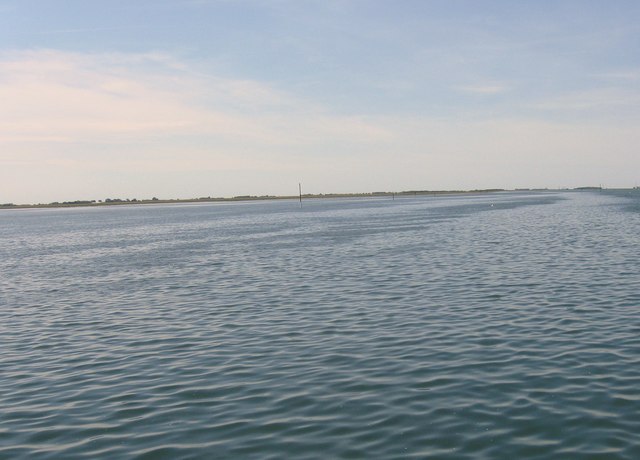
column 300, row 192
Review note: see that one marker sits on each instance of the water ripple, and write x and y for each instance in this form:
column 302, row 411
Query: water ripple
column 489, row 326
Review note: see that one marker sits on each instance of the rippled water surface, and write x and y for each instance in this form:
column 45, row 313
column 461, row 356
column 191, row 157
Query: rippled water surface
column 490, row 326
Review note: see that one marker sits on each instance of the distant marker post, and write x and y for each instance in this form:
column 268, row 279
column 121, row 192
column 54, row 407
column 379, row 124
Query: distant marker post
column 300, row 192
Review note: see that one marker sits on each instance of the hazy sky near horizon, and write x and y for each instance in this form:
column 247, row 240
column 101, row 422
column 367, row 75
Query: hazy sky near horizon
column 190, row 98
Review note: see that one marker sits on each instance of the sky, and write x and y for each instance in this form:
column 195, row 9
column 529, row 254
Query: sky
column 195, row 98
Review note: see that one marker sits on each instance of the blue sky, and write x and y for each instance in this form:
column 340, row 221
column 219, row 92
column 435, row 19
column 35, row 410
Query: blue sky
column 185, row 98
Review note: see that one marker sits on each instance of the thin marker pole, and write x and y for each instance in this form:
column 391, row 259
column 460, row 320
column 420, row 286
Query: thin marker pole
column 300, row 192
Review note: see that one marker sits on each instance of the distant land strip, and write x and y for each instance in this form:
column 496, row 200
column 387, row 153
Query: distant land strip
column 207, row 199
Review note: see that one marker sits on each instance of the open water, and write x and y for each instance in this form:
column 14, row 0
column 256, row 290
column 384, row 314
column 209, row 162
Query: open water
column 481, row 327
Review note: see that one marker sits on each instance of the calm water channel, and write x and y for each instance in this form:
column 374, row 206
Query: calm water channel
column 480, row 327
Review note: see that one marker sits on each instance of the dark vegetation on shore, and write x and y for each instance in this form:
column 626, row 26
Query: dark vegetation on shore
column 154, row 200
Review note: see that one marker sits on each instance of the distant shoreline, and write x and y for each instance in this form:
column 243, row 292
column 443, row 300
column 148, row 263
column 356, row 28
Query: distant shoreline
column 123, row 202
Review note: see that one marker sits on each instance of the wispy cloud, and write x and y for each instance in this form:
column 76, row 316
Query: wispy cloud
column 50, row 95
column 487, row 89
column 591, row 100
column 621, row 75
column 84, row 30
column 151, row 116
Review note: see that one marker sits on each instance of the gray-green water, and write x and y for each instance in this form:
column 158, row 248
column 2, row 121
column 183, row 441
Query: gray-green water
column 494, row 326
